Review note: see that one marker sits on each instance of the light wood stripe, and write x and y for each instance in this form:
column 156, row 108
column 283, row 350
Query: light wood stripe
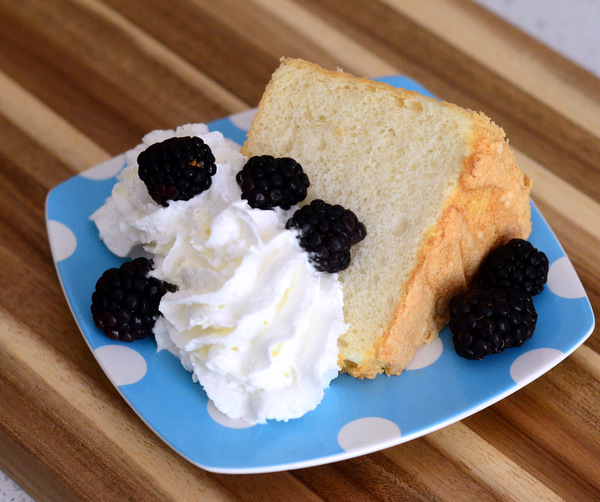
column 58, row 136
column 450, row 21
column 139, row 448
column 560, row 195
column 352, row 56
column 166, row 57
column 136, row 446
column 489, row 465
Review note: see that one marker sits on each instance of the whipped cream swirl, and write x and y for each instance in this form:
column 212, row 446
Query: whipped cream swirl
column 252, row 319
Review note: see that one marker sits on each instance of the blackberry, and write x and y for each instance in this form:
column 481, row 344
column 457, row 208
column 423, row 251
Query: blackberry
column 125, row 301
column 267, row 182
column 176, row 169
column 488, row 321
column 327, row 232
column 517, row 264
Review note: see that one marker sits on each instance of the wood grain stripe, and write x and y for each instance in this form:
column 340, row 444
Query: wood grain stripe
column 550, row 188
column 447, row 479
column 53, row 371
column 485, row 462
column 369, row 478
column 97, row 415
column 351, row 56
column 553, row 422
column 166, row 57
column 484, row 38
column 196, row 33
column 98, row 77
column 521, row 446
column 51, row 131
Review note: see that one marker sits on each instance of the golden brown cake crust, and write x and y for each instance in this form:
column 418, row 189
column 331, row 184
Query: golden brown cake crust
column 489, row 207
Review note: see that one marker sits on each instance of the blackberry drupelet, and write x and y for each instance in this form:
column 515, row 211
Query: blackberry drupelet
column 176, row 169
column 485, row 322
column 518, row 265
column 125, row 301
column 327, row 232
column 267, row 182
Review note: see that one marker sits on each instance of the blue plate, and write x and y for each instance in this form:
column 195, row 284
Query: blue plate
column 356, row 416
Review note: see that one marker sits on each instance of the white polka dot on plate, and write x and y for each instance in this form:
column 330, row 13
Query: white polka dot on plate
column 62, row 240
column 563, row 280
column 243, row 120
column 365, row 432
column 105, row 170
column 123, row 365
column 533, row 363
column 426, row 355
column 224, row 420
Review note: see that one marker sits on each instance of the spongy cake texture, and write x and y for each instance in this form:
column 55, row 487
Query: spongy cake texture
column 436, row 185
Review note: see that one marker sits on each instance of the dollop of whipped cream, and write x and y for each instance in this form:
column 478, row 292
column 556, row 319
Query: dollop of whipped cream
column 252, row 319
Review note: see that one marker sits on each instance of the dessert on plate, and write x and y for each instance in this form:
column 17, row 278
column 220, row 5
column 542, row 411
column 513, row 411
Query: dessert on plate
column 333, row 241
column 245, row 310
column 436, row 185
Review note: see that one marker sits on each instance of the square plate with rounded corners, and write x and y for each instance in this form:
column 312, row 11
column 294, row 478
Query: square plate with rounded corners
column 356, row 416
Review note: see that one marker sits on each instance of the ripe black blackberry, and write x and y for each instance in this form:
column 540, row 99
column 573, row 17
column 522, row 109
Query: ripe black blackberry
column 518, row 265
column 176, row 169
column 125, row 301
column 327, row 232
column 267, row 182
column 485, row 322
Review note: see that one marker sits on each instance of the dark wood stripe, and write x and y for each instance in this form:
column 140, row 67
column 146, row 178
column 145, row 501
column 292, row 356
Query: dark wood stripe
column 370, row 478
column 522, row 446
column 548, row 416
column 88, row 466
column 115, row 93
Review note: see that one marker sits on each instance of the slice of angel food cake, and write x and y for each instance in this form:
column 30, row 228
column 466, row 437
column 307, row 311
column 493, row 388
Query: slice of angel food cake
column 332, row 242
column 436, row 185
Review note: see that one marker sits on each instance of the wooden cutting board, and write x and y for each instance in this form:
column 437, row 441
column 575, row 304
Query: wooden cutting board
column 83, row 80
